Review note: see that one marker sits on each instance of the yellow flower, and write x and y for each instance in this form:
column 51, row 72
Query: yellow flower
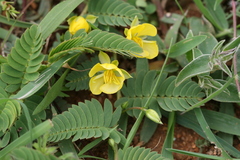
column 110, row 78
column 77, row 23
column 137, row 33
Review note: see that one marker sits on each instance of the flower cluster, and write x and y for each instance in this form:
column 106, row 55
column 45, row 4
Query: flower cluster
column 106, row 77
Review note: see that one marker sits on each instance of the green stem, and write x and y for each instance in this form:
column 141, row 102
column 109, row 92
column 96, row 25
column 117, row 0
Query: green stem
column 224, row 33
column 211, row 96
column 141, row 115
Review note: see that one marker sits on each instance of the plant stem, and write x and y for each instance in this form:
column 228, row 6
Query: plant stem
column 235, row 55
column 234, row 19
column 224, row 33
column 211, row 96
column 141, row 115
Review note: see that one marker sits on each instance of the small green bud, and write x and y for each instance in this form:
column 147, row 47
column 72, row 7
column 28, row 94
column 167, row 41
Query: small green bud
column 153, row 115
column 125, row 105
column 111, row 142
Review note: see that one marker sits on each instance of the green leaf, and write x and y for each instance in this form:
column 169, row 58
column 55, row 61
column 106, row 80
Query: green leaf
column 225, row 97
column 76, row 45
column 172, row 32
column 16, row 23
column 216, row 17
column 51, row 94
column 137, row 153
column 9, row 114
column 34, row 86
column 86, row 120
column 25, row 54
column 167, row 96
column 193, row 68
column 29, row 153
column 189, row 120
column 79, row 80
column 210, row 136
column 185, row 45
column 27, row 137
column 56, row 16
column 200, row 155
column 113, row 12
column 207, row 46
column 232, row 44
column 111, row 42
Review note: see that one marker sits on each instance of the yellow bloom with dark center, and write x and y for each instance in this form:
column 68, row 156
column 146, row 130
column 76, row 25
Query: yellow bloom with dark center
column 106, row 77
column 138, row 33
column 77, row 23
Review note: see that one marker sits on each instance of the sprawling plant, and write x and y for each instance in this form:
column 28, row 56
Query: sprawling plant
column 36, row 121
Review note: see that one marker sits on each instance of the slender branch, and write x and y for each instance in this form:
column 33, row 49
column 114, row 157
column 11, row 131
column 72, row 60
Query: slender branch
column 235, row 55
column 141, row 114
column 234, row 19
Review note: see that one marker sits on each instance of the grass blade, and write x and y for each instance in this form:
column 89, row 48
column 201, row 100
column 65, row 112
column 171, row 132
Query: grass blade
column 206, row 129
column 57, row 15
column 26, row 138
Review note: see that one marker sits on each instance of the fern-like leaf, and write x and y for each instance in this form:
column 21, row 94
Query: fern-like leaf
column 20, row 125
column 30, row 154
column 86, row 120
column 139, row 153
column 8, row 115
column 167, row 95
column 75, row 45
column 78, row 80
column 113, row 12
column 111, row 42
column 24, row 60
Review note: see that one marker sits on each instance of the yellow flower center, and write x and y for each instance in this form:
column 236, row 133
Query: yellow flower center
column 110, row 77
column 138, row 41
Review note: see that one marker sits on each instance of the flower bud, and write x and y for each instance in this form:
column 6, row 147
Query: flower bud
column 153, row 115
column 111, row 142
column 124, row 105
column 77, row 23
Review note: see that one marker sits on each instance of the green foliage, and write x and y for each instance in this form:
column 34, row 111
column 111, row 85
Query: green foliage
column 72, row 46
column 8, row 115
column 79, row 79
column 137, row 153
column 28, row 154
column 113, row 12
column 167, row 95
column 80, row 122
column 110, row 42
column 35, row 87
column 24, row 60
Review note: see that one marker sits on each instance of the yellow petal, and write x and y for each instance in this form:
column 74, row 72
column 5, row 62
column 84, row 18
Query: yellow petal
column 150, row 49
column 108, row 66
column 145, row 29
column 95, row 83
column 96, row 68
column 111, row 88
